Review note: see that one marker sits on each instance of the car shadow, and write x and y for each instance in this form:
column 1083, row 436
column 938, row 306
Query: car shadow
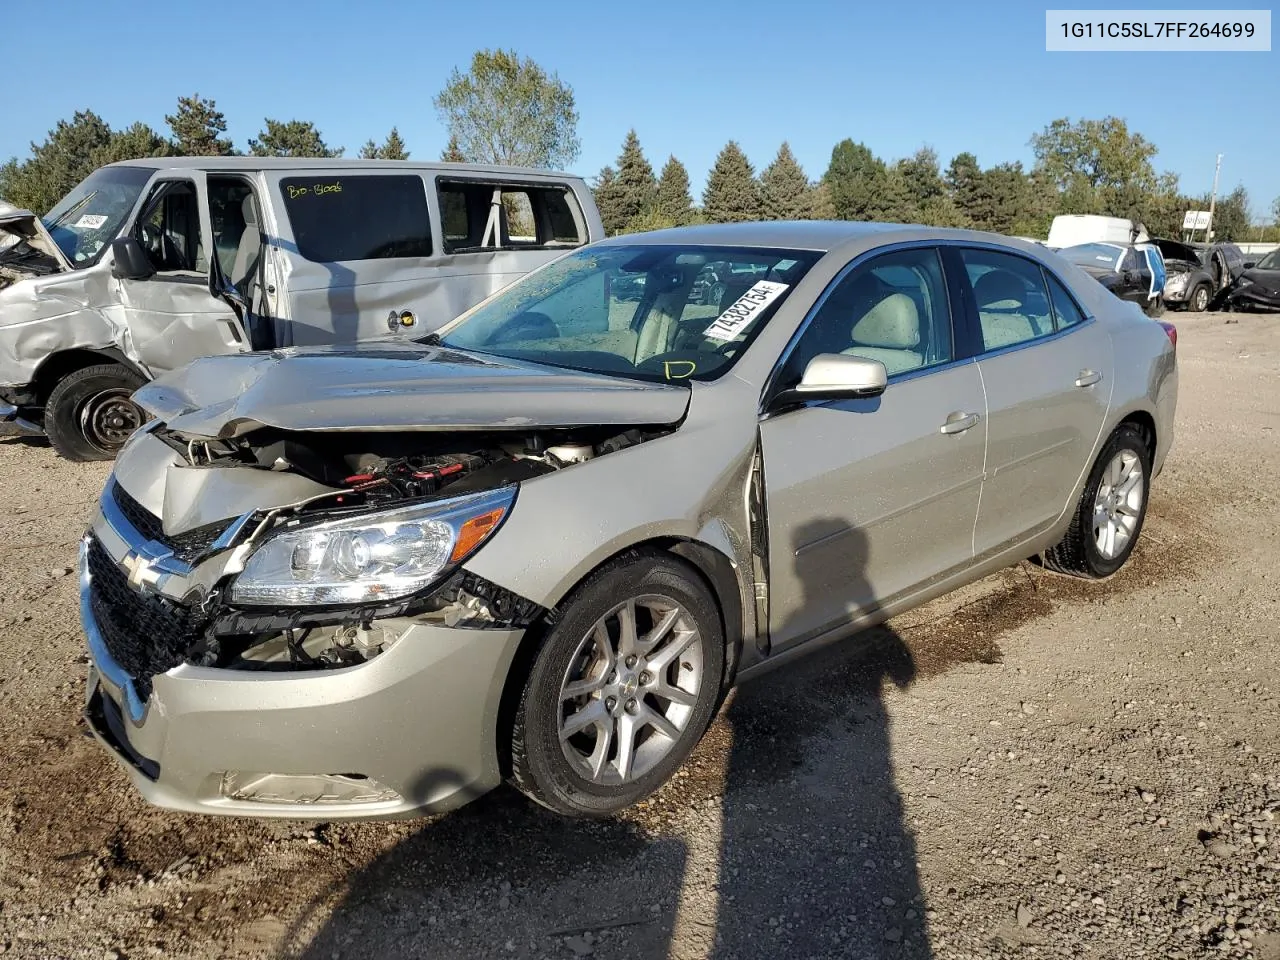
column 796, row 845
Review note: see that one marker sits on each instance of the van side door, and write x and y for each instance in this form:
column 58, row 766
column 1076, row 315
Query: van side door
column 173, row 317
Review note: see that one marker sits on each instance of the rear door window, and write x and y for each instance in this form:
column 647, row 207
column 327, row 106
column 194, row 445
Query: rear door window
column 342, row 217
column 487, row 215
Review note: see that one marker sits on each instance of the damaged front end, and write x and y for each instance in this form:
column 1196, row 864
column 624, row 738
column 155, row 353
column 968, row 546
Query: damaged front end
column 370, row 542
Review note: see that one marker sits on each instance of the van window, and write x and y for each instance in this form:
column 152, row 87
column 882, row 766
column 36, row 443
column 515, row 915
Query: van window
column 169, row 228
column 487, row 214
column 343, row 217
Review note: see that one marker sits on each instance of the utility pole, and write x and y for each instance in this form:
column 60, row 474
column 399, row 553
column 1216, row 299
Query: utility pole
column 1213, row 199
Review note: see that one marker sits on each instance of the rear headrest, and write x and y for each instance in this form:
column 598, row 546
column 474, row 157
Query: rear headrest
column 999, row 288
column 249, row 210
column 894, row 323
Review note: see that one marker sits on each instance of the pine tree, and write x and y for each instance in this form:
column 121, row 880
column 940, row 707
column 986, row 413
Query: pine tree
column 732, row 194
column 292, row 138
column 453, row 152
column 608, row 197
column 784, row 189
column 196, row 126
column 857, row 181
column 392, row 148
column 674, row 203
column 134, row 143
column 370, row 151
column 637, row 186
column 55, row 166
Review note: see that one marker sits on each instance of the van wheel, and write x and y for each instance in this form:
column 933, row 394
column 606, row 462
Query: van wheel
column 1111, row 511
column 89, row 415
column 622, row 689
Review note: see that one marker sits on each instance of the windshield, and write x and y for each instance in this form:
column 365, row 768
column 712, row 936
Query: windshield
column 1270, row 262
column 1094, row 255
column 652, row 312
column 89, row 217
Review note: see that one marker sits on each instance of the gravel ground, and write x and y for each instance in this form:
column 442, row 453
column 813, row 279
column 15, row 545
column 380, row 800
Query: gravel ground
column 1033, row 766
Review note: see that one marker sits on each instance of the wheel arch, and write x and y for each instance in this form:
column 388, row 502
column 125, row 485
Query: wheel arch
column 711, row 564
column 58, row 365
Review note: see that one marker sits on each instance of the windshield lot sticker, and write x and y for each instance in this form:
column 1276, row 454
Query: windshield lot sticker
column 90, row 221
column 743, row 310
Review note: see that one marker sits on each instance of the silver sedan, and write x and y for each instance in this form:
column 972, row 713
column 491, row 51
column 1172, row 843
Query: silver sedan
column 541, row 543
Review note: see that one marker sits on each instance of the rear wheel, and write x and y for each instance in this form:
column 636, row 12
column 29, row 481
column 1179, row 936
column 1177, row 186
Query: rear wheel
column 89, row 415
column 622, row 689
column 1111, row 511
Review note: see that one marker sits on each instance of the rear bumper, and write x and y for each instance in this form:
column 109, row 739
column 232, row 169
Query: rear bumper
column 417, row 726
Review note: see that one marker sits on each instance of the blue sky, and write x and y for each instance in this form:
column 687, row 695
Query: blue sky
column 688, row 76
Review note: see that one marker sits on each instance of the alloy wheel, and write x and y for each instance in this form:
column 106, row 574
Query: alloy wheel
column 1117, row 506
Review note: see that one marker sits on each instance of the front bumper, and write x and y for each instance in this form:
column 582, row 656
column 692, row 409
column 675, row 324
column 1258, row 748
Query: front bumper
column 14, row 425
column 1251, row 296
column 418, row 722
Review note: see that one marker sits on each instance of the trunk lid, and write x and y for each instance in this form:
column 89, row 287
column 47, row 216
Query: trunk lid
column 397, row 386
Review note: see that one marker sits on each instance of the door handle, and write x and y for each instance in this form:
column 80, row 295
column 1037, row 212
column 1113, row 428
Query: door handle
column 1088, row 378
column 960, row 422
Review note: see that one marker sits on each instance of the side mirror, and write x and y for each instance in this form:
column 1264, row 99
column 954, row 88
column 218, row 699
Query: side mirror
column 837, row 376
column 130, row 261
column 1250, row 264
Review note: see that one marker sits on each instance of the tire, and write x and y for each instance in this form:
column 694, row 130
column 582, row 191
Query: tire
column 1198, row 302
column 592, row 783
column 89, row 415
column 1080, row 553
column 1154, row 308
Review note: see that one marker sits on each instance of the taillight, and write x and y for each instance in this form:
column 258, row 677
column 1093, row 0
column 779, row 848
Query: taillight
column 1172, row 331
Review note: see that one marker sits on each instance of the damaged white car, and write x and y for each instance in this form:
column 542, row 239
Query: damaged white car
column 149, row 264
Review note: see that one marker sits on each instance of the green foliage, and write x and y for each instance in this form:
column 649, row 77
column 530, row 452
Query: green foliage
column 291, row 138
column 65, row 158
column 820, row 205
column 857, row 183
column 136, row 142
column 651, row 219
column 1231, row 216
column 392, row 148
column 732, row 194
column 674, row 202
column 509, row 110
column 636, row 186
column 196, row 126
column 784, row 188
column 453, row 152
column 608, row 196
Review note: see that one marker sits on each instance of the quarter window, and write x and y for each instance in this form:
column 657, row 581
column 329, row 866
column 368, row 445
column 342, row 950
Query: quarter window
column 1064, row 306
column 341, row 217
column 1013, row 305
column 892, row 309
column 485, row 215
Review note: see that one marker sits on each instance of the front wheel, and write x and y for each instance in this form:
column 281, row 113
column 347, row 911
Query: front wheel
column 1200, row 299
column 622, row 689
column 89, row 415
column 1111, row 511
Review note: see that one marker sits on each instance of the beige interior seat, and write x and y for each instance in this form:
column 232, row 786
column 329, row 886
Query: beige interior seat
column 1003, row 312
column 889, row 332
column 244, row 269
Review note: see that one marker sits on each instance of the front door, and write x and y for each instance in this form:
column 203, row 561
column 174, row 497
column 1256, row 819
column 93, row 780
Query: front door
column 172, row 316
column 869, row 500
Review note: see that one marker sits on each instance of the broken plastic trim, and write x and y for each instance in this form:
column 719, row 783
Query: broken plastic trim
column 467, row 601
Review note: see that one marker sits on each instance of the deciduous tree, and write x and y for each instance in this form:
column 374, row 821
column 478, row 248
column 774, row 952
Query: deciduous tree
column 507, row 109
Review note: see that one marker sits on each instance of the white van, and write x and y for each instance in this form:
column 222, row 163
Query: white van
column 1073, row 229
column 148, row 264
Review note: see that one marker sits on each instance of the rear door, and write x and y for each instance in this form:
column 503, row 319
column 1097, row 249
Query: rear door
column 1047, row 370
column 173, row 317
column 869, row 500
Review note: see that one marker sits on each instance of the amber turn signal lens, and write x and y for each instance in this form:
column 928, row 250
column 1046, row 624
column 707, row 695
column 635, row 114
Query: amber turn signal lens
column 473, row 533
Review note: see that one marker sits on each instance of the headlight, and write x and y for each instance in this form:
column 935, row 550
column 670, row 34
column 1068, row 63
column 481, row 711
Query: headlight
column 372, row 557
column 1177, row 282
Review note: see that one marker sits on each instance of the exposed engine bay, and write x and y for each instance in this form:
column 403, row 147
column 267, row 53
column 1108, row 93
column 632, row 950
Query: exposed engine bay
column 375, row 471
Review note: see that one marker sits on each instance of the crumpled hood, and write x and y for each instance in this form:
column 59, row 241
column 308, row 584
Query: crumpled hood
column 18, row 224
column 396, row 386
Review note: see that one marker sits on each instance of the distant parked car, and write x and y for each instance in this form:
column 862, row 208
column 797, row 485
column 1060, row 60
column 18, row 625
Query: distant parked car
column 1123, row 268
column 1258, row 287
column 1191, row 283
column 542, row 542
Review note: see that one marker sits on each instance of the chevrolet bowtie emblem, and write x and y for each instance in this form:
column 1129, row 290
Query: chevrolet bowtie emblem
column 141, row 573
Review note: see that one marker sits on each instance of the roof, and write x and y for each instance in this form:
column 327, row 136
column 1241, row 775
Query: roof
column 820, row 235
column 329, row 163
